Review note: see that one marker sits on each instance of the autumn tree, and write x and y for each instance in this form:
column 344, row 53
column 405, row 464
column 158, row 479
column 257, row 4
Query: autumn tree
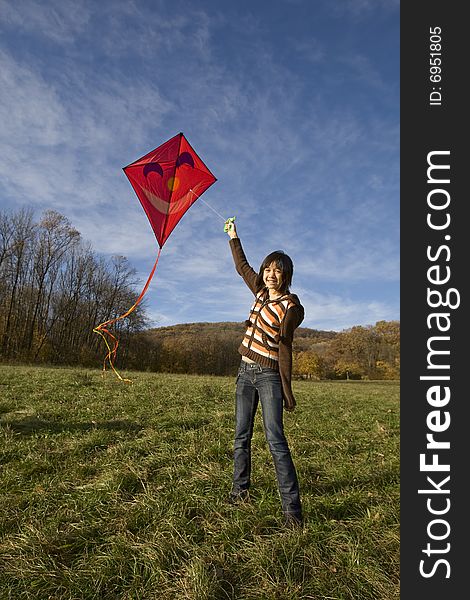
column 365, row 350
column 308, row 364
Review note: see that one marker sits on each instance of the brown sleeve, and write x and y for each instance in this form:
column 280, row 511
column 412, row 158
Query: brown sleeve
column 292, row 319
column 241, row 264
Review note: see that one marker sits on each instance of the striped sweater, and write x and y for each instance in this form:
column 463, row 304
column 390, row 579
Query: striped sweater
column 261, row 341
column 268, row 338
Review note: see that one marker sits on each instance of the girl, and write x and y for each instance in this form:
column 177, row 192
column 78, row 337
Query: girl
column 265, row 373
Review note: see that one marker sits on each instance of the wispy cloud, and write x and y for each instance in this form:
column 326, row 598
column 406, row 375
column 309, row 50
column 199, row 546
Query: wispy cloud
column 58, row 20
column 335, row 313
column 362, row 8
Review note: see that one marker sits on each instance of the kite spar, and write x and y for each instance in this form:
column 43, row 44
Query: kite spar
column 167, row 181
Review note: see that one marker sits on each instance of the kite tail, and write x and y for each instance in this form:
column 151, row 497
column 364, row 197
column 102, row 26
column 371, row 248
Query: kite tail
column 112, row 343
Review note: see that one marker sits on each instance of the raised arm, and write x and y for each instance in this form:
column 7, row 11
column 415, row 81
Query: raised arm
column 241, row 264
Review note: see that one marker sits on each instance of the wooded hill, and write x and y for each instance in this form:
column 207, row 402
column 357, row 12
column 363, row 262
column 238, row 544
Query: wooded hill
column 370, row 352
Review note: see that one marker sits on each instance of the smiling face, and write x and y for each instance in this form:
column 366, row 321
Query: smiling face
column 275, row 274
column 272, row 278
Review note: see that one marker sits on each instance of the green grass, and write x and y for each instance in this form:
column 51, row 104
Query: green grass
column 115, row 491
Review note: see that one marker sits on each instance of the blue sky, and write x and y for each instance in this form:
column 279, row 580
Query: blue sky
column 293, row 105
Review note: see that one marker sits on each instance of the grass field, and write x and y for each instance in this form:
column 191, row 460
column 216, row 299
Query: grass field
column 113, row 491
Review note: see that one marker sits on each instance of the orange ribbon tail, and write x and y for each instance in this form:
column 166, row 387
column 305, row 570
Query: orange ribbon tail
column 111, row 340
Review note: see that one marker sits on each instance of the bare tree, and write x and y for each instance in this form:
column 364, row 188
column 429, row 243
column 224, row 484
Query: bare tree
column 54, row 290
column 19, row 234
column 55, row 237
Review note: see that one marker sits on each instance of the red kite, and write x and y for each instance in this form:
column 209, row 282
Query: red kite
column 167, row 181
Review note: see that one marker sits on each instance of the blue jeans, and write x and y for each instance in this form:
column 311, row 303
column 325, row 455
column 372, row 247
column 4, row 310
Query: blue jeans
column 256, row 383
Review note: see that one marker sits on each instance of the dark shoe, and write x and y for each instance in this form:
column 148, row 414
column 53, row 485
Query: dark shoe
column 238, row 497
column 293, row 520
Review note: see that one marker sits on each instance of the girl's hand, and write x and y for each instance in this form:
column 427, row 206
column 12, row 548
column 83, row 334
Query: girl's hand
column 231, row 230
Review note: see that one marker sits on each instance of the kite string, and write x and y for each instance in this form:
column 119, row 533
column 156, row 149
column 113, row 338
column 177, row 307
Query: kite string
column 102, row 328
column 207, row 204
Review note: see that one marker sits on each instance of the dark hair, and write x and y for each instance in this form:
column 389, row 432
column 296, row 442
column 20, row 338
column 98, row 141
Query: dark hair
column 282, row 262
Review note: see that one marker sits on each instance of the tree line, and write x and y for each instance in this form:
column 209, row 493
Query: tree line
column 54, row 290
column 362, row 352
